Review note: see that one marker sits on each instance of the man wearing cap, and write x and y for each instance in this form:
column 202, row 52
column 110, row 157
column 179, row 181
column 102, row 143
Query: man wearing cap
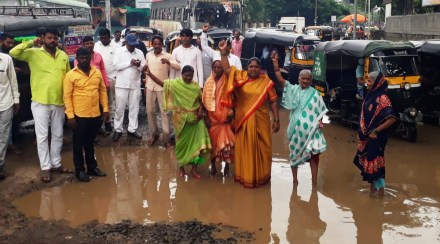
column 128, row 63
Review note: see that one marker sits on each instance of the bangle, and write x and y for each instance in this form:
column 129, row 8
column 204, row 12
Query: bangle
column 276, row 69
column 276, row 120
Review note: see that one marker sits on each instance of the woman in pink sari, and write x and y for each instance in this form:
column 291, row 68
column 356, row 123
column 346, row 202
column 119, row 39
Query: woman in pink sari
column 218, row 119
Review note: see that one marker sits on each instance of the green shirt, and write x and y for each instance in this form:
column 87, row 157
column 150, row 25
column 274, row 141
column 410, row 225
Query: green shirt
column 47, row 72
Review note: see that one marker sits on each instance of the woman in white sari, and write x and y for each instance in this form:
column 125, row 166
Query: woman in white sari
column 306, row 140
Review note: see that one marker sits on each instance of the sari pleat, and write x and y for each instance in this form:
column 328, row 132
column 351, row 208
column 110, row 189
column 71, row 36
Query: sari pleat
column 253, row 142
column 222, row 136
column 192, row 138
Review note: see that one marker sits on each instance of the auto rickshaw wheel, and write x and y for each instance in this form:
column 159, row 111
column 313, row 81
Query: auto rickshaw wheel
column 409, row 132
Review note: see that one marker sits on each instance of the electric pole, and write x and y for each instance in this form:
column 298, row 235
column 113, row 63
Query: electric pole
column 316, row 11
column 108, row 15
column 355, row 20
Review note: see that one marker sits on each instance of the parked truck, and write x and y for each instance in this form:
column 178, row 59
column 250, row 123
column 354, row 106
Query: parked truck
column 295, row 24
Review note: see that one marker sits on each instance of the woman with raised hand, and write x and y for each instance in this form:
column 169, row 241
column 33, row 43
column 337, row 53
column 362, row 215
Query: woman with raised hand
column 306, row 140
column 250, row 92
column 182, row 96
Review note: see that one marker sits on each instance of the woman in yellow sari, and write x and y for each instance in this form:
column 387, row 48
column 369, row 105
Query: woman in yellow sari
column 250, row 92
column 219, row 118
column 183, row 97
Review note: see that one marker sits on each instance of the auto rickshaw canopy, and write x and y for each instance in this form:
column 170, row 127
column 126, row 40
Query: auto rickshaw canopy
column 352, row 48
column 26, row 25
column 277, row 37
column 430, row 47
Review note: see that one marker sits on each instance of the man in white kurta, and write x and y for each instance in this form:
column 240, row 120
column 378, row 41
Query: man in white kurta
column 107, row 49
column 215, row 55
column 128, row 63
column 187, row 54
column 9, row 104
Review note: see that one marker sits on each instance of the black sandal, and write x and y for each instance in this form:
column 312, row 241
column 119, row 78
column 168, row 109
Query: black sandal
column 45, row 176
column 61, row 170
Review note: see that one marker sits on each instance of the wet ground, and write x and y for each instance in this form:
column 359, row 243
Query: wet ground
column 142, row 186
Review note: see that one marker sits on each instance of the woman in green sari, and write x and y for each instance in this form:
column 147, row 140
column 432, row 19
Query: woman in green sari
column 306, row 141
column 183, row 97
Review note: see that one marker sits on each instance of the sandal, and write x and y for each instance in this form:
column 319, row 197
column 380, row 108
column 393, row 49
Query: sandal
column 152, row 140
column 61, row 170
column 45, row 176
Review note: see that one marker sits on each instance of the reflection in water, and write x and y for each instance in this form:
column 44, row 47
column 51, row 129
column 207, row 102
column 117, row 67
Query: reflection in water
column 159, row 172
column 368, row 217
column 52, row 204
column 304, row 221
column 142, row 186
column 126, row 202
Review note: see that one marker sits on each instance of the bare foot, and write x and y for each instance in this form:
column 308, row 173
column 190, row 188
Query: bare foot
column 213, row 168
column 182, row 172
column 195, row 175
column 226, row 172
column 381, row 192
column 194, row 172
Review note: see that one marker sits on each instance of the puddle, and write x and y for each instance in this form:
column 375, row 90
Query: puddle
column 142, row 185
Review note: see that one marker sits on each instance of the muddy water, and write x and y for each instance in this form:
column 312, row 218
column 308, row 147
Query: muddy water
column 142, row 185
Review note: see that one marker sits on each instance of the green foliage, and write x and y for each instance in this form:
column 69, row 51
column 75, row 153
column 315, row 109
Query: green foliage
column 255, row 10
column 115, row 3
column 273, row 10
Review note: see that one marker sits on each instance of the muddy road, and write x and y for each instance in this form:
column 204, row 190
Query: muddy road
column 142, row 186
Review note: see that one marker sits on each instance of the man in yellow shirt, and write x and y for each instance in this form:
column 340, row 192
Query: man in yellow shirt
column 48, row 66
column 84, row 91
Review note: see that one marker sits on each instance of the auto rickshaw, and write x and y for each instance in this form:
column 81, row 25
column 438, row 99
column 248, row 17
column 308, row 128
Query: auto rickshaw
column 145, row 34
column 334, row 75
column 429, row 66
column 171, row 40
column 295, row 52
column 325, row 33
column 23, row 22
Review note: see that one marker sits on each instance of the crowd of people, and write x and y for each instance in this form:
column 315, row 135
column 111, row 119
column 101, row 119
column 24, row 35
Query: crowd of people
column 218, row 109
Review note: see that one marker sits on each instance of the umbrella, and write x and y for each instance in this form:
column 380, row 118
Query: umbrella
column 350, row 18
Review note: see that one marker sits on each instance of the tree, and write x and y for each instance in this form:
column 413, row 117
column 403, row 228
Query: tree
column 115, row 3
column 259, row 10
column 255, row 10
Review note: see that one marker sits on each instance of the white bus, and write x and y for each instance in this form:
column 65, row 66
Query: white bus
column 173, row 15
column 80, row 7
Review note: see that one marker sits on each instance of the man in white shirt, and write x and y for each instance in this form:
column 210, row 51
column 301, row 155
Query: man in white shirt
column 215, row 55
column 160, row 63
column 9, row 104
column 128, row 63
column 187, row 54
column 107, row 49
column 118, row 40
column 206, row 58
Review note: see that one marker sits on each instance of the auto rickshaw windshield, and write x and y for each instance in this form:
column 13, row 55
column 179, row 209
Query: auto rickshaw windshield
column 145, row 36
column 399, row 66
column 305, row 52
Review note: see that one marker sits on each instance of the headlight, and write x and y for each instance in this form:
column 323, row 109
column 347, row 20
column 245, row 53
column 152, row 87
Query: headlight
column 413, row 112
column 407, row 87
